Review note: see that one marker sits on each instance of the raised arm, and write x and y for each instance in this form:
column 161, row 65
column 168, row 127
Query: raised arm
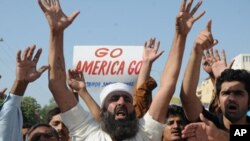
column 145, row 84
column 26, row 70
column 190, row 102
column 76, row 82
column 58, row 22
column 150, row 54
column 10, row 114
column 184, row 23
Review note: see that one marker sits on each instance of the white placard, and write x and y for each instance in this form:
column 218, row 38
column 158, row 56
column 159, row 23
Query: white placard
column 105, row 64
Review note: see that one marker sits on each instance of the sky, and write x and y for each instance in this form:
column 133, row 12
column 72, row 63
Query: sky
column 115, row 22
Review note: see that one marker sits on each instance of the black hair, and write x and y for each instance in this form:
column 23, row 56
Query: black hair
column 229, row 75
column 175, row 110
column 52, row 112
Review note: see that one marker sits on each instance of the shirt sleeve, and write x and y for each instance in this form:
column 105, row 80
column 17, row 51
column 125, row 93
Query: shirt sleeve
column 212, row 117
column 151, row 129
column 143, row 97
column 79, row 122
column 11, row 120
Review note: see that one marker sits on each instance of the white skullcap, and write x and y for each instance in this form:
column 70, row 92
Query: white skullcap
column 112, row 88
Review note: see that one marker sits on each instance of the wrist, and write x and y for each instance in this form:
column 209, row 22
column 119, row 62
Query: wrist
column 180, row 35
column 198, row 49
column 55, row 32
column 147, row 63
column 83, row 89
column 19, row 87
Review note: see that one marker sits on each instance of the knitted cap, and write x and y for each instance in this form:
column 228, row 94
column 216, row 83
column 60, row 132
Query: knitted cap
column 112, row 88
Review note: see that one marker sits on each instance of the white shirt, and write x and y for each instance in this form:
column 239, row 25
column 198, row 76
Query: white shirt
column 83, row 127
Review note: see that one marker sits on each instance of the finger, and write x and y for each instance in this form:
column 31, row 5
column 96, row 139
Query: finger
column 57, row 4
column 216, row 55
column 223, row 56
column 209, row 26
column 205, row 120
column 81, row 75
column 25, row 53
column 208, row 53
column 53, row 2
column 42, row 69
column 30, row 53
column 183, row 4
column 189, row 6
column 149, row 42
column 157, row 46
column 37, row 56
column 203, row 56
column 196, row 7
column 215, row 42
column 145, row 44
column 73, row 16
column 3, row 91
column 152, row 42
column 211, row 52
column 70, row 74
column 43, row 5
column 158, row 55
column 18, row 56
column 231, row 64
column 199, row 16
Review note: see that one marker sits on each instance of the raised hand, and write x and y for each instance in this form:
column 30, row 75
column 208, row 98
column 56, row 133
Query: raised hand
column 57, row 20
column 205, row 39
column 150, row 52
column 207, row 62
column 76, row 80
column 204, row 131
column 220, row 63
column 185, row 19
column 26, row 65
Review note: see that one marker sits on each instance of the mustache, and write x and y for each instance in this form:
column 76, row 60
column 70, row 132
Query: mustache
column 121, row 108
column 232, row 104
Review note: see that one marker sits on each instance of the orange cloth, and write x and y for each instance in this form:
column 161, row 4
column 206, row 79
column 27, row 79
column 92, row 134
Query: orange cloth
column 143, row 97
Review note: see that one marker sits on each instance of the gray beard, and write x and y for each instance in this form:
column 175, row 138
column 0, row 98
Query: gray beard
column 119, row 129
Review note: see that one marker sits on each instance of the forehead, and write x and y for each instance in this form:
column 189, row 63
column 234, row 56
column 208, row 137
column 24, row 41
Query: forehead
column 233, row 85
column 119, row 94
column 174, row 117
column 56, row 118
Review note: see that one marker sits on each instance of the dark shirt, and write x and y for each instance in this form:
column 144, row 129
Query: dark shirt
column 217, row 119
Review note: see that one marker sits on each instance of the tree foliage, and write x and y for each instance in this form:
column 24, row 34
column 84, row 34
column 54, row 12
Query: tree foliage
column 46, row 108
column 30, row 110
